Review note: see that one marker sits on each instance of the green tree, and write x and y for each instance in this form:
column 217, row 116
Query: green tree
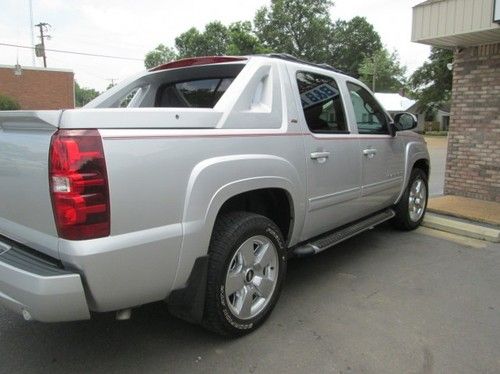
column 158, row 56
column 84, row 95
column 213, row 41
column 8, row 103
column 190, row 43
column 298, row 27
column 433, row 80
column 242, row 40
column 383, row 71
column 216, row 39
column 352, row 42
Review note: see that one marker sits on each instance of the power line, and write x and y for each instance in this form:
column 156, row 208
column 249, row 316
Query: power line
column 87, row 70
column 74, row 52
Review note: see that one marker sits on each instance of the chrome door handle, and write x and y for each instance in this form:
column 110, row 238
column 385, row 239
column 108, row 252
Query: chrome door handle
column 320, row 155
column 370, row 152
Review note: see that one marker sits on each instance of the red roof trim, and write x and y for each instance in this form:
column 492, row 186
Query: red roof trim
column 192, row 61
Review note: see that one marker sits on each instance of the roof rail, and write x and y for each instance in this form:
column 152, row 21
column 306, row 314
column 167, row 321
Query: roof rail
column 288, row 57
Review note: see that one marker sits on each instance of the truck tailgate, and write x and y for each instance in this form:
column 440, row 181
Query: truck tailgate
column 25, row 206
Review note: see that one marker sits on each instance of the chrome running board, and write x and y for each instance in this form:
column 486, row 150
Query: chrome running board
column 334, row 237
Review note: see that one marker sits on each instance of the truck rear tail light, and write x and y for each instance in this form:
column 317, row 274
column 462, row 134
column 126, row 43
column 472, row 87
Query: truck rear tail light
column 79, row 184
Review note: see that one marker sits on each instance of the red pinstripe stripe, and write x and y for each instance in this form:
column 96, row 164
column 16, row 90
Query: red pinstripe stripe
column 346, row 137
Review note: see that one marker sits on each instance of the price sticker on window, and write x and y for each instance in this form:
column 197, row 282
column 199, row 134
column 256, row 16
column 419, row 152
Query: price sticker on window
column 318, row 95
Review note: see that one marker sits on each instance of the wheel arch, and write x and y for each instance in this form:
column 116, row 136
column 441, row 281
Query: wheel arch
column 416, row 155
column 422, row 164
column 273, row 203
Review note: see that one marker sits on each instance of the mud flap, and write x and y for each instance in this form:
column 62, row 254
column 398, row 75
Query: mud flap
column 188, row 303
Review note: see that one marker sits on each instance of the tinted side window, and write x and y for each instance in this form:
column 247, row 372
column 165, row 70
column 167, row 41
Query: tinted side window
column 370, row 116
column 202, row 93
column 321, row 102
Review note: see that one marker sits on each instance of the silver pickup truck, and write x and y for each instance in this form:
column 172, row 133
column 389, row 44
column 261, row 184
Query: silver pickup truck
column 193, row 183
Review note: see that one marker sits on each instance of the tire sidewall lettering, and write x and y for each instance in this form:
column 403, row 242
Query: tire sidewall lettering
column 226, row 313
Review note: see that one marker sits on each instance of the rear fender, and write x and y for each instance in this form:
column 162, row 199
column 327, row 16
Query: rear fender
column 215, row 181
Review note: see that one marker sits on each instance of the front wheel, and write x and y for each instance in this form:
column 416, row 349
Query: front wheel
column 410, row 210
column 247, row 266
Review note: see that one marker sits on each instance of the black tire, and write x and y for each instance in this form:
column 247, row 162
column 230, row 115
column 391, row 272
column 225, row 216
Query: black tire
column 230, row 231
column 402, row 220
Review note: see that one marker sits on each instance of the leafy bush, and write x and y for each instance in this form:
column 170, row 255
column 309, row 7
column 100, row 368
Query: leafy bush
column 8, row 103
column 436, row 133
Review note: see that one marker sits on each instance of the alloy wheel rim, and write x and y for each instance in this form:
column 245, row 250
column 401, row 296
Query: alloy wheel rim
column 417, row 200
column 251, row 277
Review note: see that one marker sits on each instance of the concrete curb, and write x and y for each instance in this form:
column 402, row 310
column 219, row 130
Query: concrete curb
column 455, row 226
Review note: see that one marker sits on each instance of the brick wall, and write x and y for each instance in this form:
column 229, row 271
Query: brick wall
column 38, row 88
column 473, row 162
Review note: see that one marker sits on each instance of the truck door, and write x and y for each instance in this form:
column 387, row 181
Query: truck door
column 331, row 151
column 382, row 154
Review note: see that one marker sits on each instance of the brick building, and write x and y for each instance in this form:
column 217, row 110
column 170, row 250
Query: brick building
column 471, row 28
column 38, row 88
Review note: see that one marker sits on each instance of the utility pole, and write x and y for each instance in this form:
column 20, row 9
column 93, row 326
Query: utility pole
column 112, row 82
column 374, row 76
column 43, row 26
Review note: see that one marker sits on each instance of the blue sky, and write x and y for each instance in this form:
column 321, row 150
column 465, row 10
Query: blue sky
column 132, row 28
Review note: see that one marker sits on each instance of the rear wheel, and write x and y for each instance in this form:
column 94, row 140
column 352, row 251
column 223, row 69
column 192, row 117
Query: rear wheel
column 246, row 269
column 410, row 210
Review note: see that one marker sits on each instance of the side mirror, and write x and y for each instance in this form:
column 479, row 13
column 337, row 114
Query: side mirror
column 405, row 121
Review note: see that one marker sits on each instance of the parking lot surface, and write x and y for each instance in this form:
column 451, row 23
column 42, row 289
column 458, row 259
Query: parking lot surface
column 382, row 302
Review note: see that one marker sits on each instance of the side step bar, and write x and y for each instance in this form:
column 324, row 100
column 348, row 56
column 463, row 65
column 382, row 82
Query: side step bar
column 337, row 236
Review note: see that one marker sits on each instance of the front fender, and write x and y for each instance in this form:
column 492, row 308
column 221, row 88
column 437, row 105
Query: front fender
column 214, row 181
column 414, row 152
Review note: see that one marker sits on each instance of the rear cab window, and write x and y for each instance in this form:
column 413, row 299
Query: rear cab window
column 321, row 103
column 199, row 93
column 197, row 86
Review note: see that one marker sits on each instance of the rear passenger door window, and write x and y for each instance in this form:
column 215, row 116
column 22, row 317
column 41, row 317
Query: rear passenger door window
column 370, row 117
column 321, row 103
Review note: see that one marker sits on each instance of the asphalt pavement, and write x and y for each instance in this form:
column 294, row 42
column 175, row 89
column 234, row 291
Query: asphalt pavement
column 382, row 302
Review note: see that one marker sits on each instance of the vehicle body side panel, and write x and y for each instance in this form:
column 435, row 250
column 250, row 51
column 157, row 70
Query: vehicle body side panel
column 382, row 172
column 170, row 184
column 125, row 270
column 137, row 118
column 415, row 149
